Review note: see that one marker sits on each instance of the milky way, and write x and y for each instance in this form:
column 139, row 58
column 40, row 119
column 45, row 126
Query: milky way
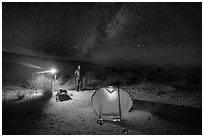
column 106, row 32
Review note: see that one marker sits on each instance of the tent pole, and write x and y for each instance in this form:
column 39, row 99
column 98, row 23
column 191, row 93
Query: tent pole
column 119, row 101
column 100, row 107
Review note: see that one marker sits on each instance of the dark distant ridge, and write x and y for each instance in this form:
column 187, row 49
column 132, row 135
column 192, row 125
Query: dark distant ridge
column 13, row 66
column 4, row 54
column 125, row 65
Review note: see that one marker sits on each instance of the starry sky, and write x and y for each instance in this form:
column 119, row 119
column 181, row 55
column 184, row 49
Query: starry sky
column 106, row 33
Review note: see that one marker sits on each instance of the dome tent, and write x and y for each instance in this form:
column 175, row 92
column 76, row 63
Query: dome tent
column 111, row 101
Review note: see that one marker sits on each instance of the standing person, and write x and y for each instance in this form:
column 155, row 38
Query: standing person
column 79, row 74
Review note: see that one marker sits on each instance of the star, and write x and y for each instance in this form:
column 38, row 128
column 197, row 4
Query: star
column 88, row 29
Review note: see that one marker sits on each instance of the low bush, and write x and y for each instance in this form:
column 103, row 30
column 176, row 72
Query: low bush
column 45, row 84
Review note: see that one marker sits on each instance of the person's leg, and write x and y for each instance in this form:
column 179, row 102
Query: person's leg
column 78, row 84
column 81, row 84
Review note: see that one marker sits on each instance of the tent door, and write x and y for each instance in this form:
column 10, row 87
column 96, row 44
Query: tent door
column 116, row 118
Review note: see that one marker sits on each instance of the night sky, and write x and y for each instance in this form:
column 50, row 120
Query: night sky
column 122, row 34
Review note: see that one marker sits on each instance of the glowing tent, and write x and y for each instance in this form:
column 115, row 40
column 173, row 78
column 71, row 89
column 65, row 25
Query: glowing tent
column 110, row 101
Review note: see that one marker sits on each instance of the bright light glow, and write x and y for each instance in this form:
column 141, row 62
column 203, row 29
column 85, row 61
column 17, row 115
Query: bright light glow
column 29, row 65
column 113, row 95
column 111, row 92
column 110, row 89
column 53, row 71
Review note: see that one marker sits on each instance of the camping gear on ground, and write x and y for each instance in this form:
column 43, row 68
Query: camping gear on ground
column 111, row 102
column 62, row 95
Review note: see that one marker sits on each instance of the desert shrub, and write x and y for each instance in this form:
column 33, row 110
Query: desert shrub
column 112, row 78
column 155, row 87
column 41, row 82
column 184, row 85
column 145, row 85
column 115, row 79
column 161, row 89
column 90, row 79
column 60, row 81
column 12, row 94
column 63, row 79
column 57, row 84
column 126, row 79
column 71, row 84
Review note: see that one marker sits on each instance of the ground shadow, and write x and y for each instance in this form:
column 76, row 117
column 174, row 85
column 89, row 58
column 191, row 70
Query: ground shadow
column 177, row 113
column 162, row 119
column 20, row 117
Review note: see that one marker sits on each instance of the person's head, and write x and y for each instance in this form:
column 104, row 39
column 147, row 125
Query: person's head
column 79, row 67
